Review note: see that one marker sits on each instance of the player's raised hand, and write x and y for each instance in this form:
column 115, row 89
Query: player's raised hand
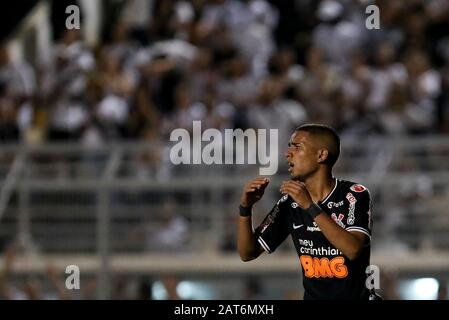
column 253, row 191
column 298, row 191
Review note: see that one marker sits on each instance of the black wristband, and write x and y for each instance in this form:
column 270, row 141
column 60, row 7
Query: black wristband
column 313, row 210
column 245, row 211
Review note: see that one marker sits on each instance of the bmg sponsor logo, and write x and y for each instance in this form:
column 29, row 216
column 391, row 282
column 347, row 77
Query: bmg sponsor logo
column 323, row 267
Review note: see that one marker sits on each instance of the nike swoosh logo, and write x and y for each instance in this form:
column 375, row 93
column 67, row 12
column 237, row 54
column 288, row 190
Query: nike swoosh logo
column 297, row 227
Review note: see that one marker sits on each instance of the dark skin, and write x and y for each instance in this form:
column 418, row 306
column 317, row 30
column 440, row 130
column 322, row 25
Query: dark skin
column 247, row 244
column 311, row 182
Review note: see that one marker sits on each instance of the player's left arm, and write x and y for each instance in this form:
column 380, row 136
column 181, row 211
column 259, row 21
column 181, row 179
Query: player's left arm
column 348, row 242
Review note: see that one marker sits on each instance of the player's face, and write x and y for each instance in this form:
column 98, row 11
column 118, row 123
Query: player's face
column 301, row 156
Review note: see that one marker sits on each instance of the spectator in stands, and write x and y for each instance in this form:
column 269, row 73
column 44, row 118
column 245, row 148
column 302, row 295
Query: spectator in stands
column 173, row 234
column 117, row 85
column 389, row 285
column 442, row 290
column 273, row 109
column 252, row 289
column 170, row 283
column 424, row 84
column 17, row 88
column 32, row 288
column 66, row 83
column 334, row 30
column 145, row 289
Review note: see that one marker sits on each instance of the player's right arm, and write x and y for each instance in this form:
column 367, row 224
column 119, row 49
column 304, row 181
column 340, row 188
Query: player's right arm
column 247, row 244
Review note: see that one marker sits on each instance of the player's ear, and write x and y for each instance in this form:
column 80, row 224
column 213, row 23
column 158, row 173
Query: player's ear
column 323, row 155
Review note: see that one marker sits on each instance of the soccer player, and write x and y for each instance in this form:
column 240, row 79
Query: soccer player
column 328, row 219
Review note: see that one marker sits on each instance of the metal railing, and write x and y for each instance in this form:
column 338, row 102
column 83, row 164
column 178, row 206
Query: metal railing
column 127, row 199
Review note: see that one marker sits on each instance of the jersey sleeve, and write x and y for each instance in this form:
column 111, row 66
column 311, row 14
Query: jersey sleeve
column 359, row 215
column 274, row 228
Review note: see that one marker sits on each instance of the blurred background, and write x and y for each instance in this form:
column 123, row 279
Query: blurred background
column 86, row 115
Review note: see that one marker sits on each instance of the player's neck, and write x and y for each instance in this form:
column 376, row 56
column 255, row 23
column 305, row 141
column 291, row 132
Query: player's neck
column 320, row 186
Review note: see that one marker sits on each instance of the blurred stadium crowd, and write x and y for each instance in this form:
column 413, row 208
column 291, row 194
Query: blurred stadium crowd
column 234, row 64
column 231, row 64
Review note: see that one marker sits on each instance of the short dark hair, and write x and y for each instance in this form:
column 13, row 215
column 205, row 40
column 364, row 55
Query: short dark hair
column 321, row 130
